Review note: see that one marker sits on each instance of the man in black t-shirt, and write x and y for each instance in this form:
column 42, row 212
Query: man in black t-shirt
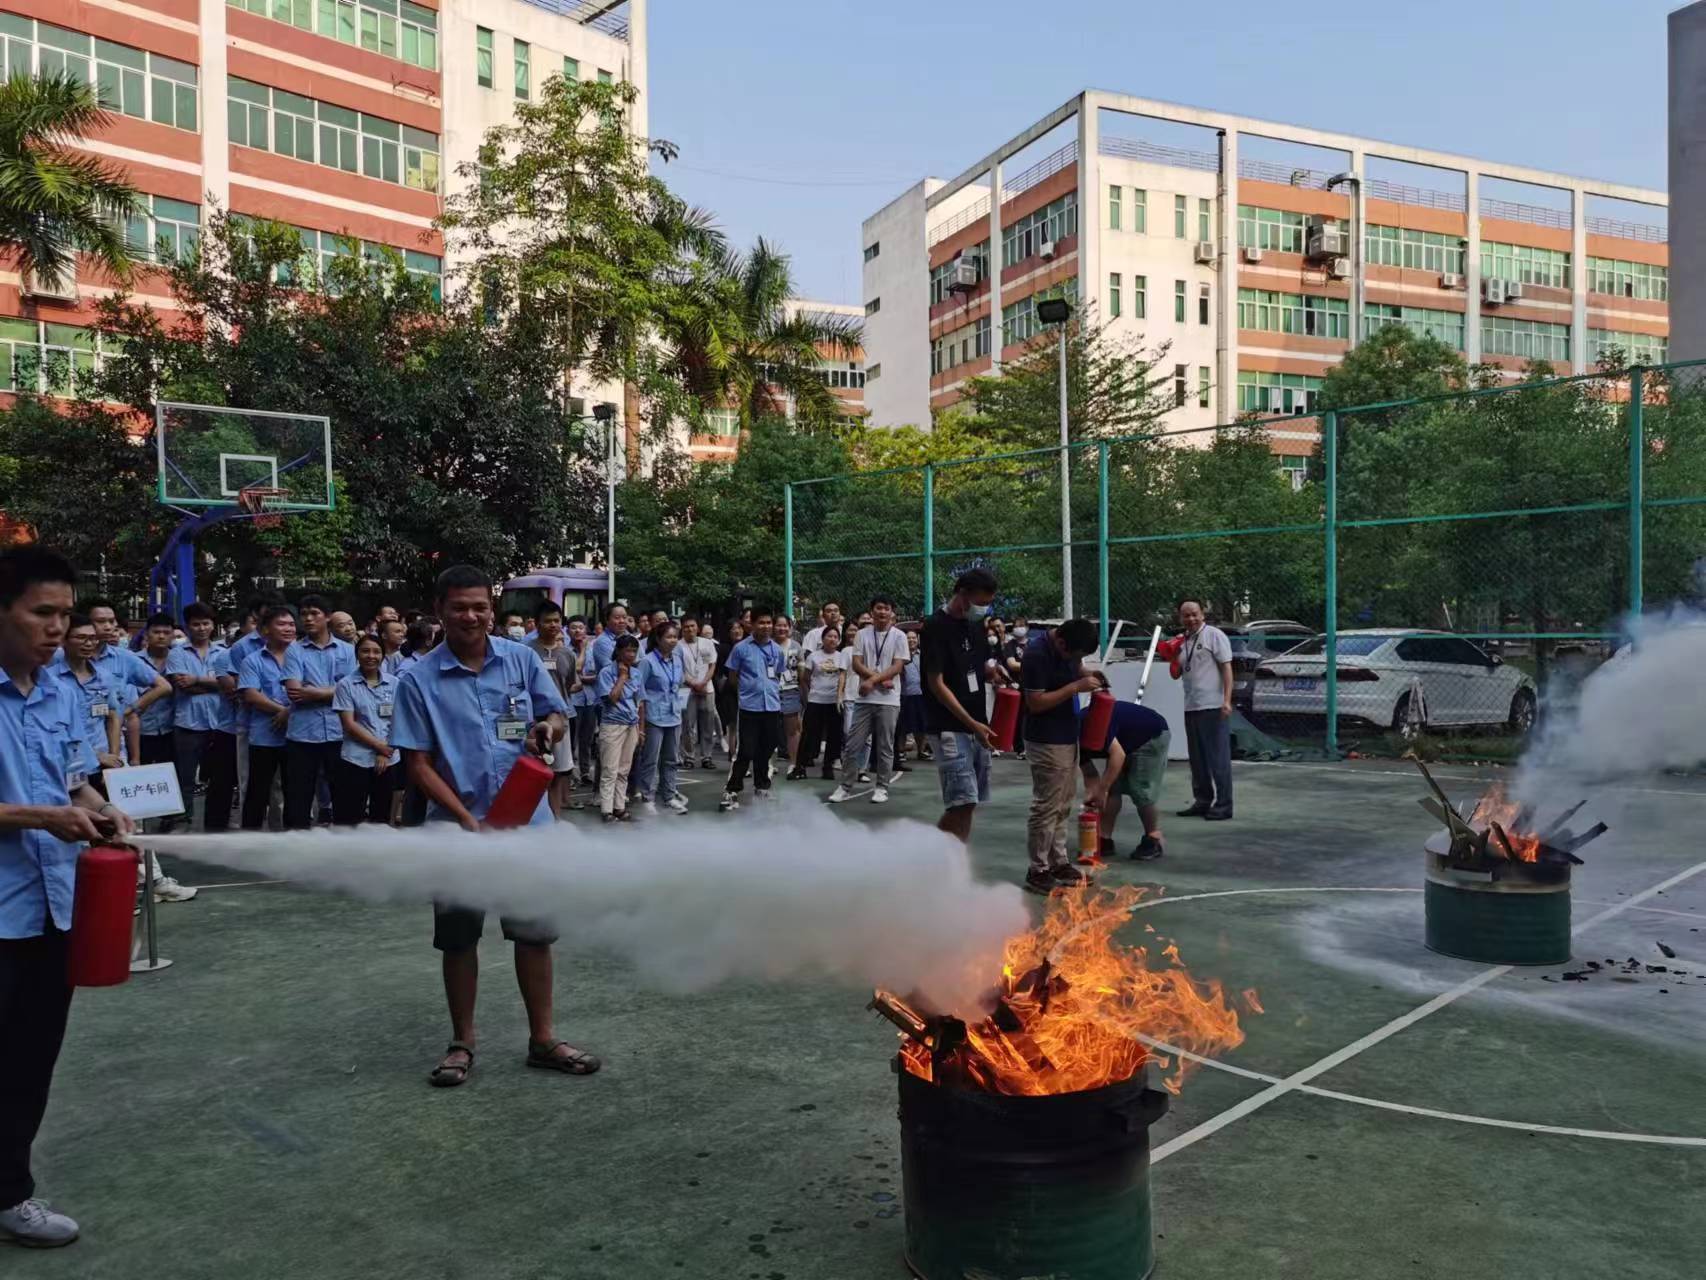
column 957, row 666
column 1052, row 675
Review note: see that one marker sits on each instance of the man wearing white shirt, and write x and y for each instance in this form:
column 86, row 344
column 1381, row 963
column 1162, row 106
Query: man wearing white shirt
column 1205, row 662
column 879, row 653
column 699, row 721
column 828, row 616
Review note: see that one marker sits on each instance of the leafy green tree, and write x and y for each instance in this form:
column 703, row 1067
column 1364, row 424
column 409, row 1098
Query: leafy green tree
column 55, row 201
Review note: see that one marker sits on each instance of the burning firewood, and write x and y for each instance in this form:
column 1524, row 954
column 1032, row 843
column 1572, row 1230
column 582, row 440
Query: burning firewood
column 1497, row 830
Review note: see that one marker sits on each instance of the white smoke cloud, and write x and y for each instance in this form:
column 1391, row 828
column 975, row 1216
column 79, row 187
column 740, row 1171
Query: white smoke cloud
column 690, row 902
column 1642, row 711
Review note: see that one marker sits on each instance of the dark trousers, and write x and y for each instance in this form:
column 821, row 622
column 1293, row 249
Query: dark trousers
column 35, row 1000
column 214, row 754
column 1208, row 736
column 265, row 764
column 760, row 735
column 159, row 748
column 306, row 764
column 820, row 726
column 362, row 794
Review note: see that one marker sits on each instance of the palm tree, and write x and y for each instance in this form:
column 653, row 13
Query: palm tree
column 741, row 345
column 54, row 201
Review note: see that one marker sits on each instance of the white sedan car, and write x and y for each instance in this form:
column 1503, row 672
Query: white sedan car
column 1403, row 680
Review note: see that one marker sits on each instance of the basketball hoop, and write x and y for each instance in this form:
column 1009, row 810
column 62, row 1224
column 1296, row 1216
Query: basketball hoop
column 253, row 499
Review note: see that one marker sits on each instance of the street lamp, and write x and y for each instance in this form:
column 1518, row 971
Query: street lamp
column 1057, row 311
column 606, row 413
column 1355, row 182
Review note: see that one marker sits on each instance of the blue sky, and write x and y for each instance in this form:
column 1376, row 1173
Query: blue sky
column 797, row 118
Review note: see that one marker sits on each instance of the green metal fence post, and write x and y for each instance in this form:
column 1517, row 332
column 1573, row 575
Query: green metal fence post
column 929, row 540
column 1637, row 491
column 1330, row 462
column 788, row 548
column 1102, row 532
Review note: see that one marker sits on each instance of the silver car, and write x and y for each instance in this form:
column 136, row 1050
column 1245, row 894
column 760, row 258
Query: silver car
column 1403, row 680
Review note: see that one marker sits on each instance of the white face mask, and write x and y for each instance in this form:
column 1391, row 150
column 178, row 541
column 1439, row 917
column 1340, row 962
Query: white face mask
column 974, row 610
column 178, row 642
column 518, row 633
column 1019, row 633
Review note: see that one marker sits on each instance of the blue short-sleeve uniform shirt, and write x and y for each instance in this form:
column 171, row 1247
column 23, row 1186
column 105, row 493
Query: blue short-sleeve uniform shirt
column 199, row 712
column 42, row 751
column 474, row 724
column 264, row 672
column 372, row 705
column 159, row 716
column 626, row 708
column 321, row 665
column 660, row 680
column 760, row 670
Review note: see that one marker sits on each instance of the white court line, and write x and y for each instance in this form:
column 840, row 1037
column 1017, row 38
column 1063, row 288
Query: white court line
column 235, row 884
column 1348, row 771
column 1659, row 911
column 1298, row 1079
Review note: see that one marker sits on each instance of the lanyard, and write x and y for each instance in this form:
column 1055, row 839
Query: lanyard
column 882, row 638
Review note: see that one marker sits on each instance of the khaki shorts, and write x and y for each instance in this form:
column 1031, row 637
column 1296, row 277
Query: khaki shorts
column 1146, row 770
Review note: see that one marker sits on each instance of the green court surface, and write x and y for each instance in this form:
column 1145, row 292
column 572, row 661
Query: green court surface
column 260, row 1110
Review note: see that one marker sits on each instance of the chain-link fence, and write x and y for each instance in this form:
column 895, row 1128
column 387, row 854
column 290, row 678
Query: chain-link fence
column 1437, row 574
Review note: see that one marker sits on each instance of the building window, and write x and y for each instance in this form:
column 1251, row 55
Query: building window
column 1277, row 229
column 1179, row 203
column 1179, row 301
column 1307, row 314
column 1628, row 279
column 48, row 359
column 394, row 28
column 873, row 306
column 722, row 423
column 1525, row 339
column 1295, row 468
column 1277, row 393
column 129, row 81
column 1113, row 295
column 1444, row 326
column 1204, row 208
column 957, row 348
column 483, row 68
column 1139, row 209
column 163, row 230
column 1180, row 371
column 1113, row 208
column 876, row 370
column 1019, row 321
column 1203, row 295
column 1202, row 386
column 1526, row 264
column 1139, row 297
column 1635, row 348
column 523, row 69
column 290, row 125
column 1054, row 222
column 1417, row 250
column 873, row 250
column 604, row 77
column 571, row 69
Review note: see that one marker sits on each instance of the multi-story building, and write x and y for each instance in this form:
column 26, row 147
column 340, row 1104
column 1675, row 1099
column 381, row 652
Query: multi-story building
column 1259, row 276
column 346, row 119
column 842, row 372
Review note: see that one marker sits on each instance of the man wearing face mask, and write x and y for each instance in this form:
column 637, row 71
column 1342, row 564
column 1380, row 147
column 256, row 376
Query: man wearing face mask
column 514, row 627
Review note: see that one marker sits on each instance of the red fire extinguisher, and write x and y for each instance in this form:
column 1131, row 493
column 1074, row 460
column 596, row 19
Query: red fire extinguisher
column 1090, row 836
column 101, row 914
column 518, row 799
column 1098, row 717
column 1005, row 722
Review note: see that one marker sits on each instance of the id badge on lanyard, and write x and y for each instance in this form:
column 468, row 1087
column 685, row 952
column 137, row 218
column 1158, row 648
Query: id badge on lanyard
column 512, row 726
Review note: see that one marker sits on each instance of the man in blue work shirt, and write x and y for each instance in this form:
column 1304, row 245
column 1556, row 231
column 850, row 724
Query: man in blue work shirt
column 464, row 714
column 47, row 812
column 200, row 710
column 312, row 669
column 116, row 661
column 157, row 718
column 250, row 642
column 266, row 709
column 755, row 664
column 615, row 627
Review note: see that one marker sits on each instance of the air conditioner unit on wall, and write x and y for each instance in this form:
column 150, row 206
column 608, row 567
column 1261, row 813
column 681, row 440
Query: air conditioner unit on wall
column 1451, row 280
column 1338, row 268
column 1492, row 292
column 965, row 273
column 1513, row 290
column 62, row 288
column 1204, row 252
column 1322, row 239
column 1252, row 254
column 1045, row 249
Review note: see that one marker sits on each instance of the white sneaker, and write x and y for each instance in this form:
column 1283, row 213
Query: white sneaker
column 35, row 1226
column 863, row 776
column 678, row 804
column 840, row 793
column 880, row 796
column 895, row 777
column 167, row 889
column 649, row 808
column 729, row 801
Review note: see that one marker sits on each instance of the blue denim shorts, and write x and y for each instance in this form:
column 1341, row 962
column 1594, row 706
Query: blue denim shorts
column 962, row 767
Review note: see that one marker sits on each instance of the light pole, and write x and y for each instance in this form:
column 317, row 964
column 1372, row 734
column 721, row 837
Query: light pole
column 606, row 413
column 1057, row 311
column 1355, row 183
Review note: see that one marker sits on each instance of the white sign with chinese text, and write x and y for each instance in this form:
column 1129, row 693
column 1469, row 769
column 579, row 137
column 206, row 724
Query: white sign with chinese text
column 145, row 790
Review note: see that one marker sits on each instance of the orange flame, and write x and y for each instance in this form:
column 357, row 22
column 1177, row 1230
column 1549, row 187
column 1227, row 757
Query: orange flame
column 1081, row 999
column 1497, row 807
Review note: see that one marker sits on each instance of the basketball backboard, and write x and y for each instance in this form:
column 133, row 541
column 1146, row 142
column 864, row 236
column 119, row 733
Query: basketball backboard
column 209, row 454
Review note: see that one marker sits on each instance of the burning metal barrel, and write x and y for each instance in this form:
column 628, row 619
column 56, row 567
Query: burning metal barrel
column 1001, row 1187
column 1496, row 891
